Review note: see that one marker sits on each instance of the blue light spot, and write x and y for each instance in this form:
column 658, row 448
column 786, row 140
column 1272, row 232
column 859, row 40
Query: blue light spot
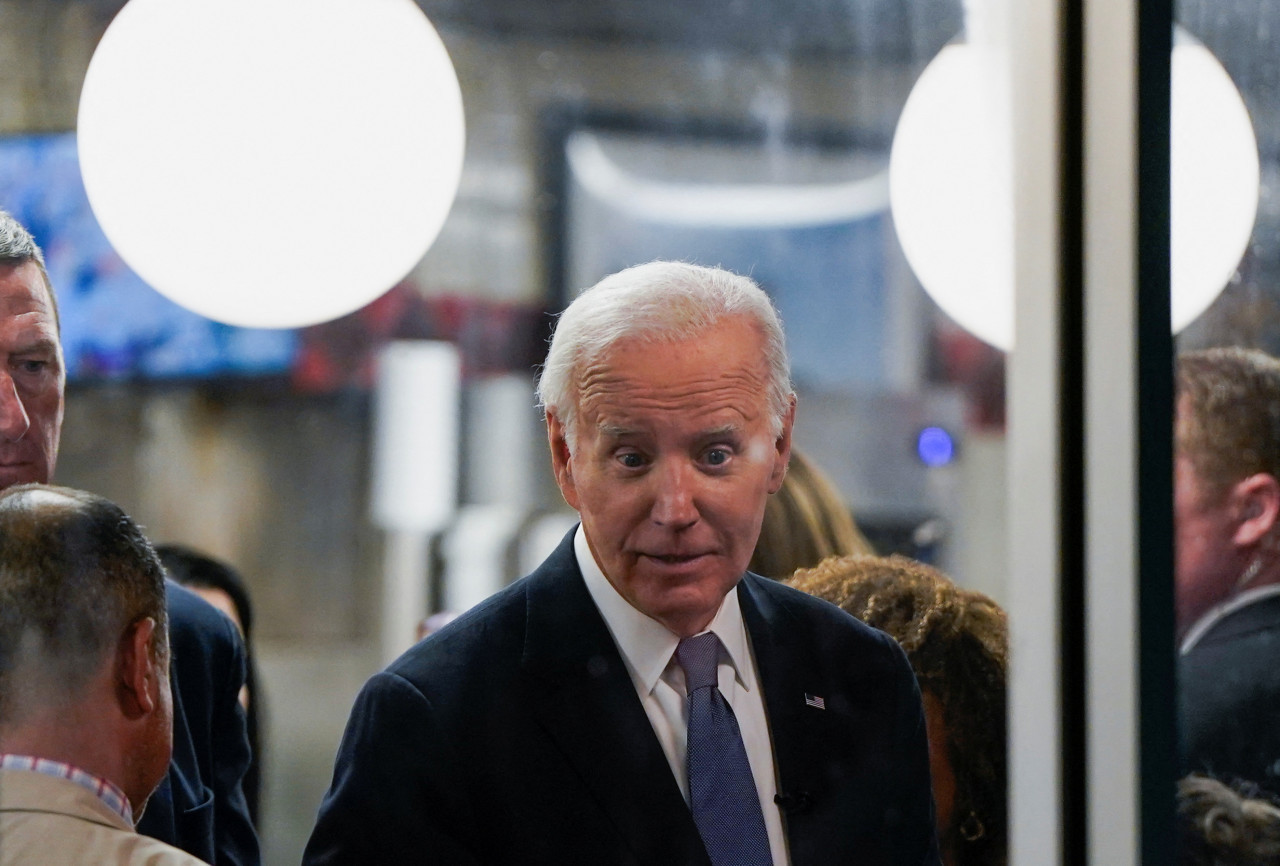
column 935, row 446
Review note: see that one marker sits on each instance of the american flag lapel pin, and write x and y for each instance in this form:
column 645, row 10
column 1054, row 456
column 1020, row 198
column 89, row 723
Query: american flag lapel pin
column 815, row 701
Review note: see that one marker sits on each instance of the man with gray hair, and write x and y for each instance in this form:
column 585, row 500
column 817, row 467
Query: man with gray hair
column 85, row 707
column 200, row 805
column 641, row 698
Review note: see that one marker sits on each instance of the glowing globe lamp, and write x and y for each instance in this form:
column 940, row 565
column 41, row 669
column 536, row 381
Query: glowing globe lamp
column 950, row 187
column 271, row 163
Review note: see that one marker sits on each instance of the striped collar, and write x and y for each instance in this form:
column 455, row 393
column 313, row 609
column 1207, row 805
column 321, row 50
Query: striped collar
column 111, row 796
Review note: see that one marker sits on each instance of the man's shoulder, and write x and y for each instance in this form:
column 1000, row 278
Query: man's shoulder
column 49, row 820
column 1257, row 620
column 787, row 606
column 137, row 850
column 59, row 838
column 492, row 624
column 489, row 639
column 497, row 626
column 1247, row 636
column 793, row 628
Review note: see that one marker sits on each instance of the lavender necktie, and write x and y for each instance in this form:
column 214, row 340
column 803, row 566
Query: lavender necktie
column 722, row 791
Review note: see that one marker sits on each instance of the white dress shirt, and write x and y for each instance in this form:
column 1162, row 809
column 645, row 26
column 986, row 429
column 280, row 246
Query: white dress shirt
column 648, row 650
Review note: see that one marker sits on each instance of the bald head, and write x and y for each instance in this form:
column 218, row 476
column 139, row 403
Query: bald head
column 75, row 574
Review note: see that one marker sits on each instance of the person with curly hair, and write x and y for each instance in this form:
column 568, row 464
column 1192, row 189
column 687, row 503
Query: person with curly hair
column 958, row 643
column 1221, row 826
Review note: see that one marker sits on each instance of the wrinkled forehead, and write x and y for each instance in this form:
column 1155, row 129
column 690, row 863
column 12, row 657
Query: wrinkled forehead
column 688, row 377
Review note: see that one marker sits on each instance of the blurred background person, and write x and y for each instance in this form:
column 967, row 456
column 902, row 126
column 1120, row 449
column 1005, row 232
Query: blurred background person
column 958, row 644
column 1227, row 567
column 1220, row 826
column 222, row 586
column 86, row 714
column 806, row 521
column 429, row 625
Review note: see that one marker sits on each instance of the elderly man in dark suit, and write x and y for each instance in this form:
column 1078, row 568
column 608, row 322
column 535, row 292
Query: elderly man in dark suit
column 640, row 698
column 1227, row 515
column 199, row 806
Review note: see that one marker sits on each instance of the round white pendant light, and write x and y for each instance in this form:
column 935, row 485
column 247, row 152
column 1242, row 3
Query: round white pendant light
column 950, row 188
column 271, row 163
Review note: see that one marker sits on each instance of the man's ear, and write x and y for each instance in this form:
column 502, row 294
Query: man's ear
column 562, row 460
column 137, row 672
column 782, row 448
column 1256, row 504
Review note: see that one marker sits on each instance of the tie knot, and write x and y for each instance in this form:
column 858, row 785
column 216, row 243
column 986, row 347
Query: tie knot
column 699, row 657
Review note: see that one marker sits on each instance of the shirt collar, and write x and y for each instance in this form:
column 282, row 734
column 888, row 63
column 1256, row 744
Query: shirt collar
column 1222, row 610
column 646, row 645
column 111, row 796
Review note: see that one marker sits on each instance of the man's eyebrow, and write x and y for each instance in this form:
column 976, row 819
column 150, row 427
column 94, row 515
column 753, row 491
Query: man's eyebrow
column 722, row 430
column 616, row 431
column 41, row 344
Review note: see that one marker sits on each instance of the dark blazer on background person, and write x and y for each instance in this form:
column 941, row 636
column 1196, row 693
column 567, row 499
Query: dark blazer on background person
column 1229, row 691
column 515, row 735
column 200, row 806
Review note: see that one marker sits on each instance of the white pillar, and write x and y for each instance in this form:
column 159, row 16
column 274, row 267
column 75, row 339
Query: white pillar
column 415, row 476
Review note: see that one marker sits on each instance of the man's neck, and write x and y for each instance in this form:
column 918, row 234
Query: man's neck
column 1260, row 574
column 1266, row 573
column 49, row 736
column 1259, row 571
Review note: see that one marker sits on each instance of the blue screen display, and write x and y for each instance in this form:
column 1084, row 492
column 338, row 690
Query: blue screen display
column 115, row 326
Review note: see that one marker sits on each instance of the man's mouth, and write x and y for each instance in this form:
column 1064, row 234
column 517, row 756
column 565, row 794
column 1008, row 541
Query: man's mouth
column 675, row 558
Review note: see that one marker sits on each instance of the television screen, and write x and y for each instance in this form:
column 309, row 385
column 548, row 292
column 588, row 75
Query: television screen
column 115, row 326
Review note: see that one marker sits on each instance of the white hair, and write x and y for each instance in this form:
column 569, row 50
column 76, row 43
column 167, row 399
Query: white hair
column 661, row 302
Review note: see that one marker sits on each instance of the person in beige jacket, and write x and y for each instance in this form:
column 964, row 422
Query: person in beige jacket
column 85, row 705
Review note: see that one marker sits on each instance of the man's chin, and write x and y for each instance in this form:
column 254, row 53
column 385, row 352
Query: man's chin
column 686, row 611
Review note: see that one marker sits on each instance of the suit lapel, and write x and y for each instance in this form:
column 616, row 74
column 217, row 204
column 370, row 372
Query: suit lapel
column 586, row 701
column 802, row 734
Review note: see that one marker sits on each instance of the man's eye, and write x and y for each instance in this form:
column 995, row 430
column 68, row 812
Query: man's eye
column 718, row 456
column 631, row 460
column 32, row 366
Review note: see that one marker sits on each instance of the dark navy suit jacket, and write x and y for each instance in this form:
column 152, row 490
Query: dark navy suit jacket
column 515, row 736
column 1229, row 691
column 200, row 807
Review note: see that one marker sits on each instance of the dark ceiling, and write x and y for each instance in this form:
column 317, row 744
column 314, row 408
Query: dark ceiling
column 1241, row 33
column 879, row 28
column 887, row 29
column 891, row 29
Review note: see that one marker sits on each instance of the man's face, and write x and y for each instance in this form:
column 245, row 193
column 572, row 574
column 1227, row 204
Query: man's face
column 1206, row 562
column 31, row 377
column 673, row 461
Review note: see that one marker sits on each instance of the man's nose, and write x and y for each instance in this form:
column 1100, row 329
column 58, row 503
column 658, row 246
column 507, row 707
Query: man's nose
column 14, row 421
column 674, row 501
